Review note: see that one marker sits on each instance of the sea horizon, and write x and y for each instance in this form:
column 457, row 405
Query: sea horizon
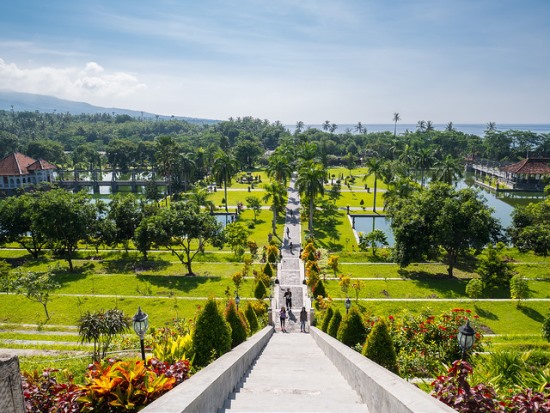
column 468, row 128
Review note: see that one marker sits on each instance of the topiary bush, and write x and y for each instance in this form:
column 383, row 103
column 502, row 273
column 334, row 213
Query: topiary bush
column 238, row 327
column 319, row 289
column 260, row 291
column 268, row 270
column 251, row 317
column 326, row 319
column 334, row 324
column 546, row 327
column 352, row 331
column 212, row 335
column 379, row 347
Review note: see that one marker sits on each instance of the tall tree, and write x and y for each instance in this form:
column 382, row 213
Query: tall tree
column 279, row 168
column 441, row 217
column 166, row 154
column 223, row 169
column 396, row 118
column 126, row 214
column 310, row 184
column 275, row 193
column 374, row 167
column 423, row 159
column 447, row 170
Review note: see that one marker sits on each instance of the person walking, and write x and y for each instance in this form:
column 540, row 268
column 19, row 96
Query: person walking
column 282, row 316
column 287, row 232
column 303, row 320
column 288, row 298
column 291, row 248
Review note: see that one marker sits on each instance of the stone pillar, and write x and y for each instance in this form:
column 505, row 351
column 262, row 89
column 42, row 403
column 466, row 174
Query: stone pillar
column 11, row 393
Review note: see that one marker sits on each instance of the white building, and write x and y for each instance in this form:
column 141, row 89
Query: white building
column 17, row 170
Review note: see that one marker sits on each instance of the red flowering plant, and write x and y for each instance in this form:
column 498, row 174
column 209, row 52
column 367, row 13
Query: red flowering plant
column 425, row 342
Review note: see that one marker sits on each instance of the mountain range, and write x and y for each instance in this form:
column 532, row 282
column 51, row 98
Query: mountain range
column 22, row 102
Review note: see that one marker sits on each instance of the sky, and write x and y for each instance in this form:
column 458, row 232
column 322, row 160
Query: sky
column 465, row 61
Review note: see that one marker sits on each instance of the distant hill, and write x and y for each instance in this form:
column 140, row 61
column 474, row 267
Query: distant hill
column 22, row 102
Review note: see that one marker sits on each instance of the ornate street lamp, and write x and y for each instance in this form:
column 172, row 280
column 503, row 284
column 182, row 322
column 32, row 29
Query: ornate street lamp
column 237, row 301
column 141, row 324
column 348, row 305
column 466, row 338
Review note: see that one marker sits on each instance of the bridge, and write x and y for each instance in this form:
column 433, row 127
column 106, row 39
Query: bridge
column 294, row 371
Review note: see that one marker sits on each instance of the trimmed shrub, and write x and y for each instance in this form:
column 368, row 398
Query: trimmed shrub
column 319, row 289
column 212, row 335
column 379, row 347
column 260, row 290
column 326, row 319
column 335, row 324
column 238, row 327
column 268, row 270
column 352, row 331
column 251, row 317
column 546, row 327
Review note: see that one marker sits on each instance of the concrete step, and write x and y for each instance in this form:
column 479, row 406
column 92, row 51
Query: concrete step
column 293, row 375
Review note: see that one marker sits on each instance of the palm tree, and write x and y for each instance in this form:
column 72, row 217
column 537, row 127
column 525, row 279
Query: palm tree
column 491, row 127
column 359, row 127
column 450, row 127
column 421, row 125
column 374, row 167
column 275, row 193
column 396, row 118
column 310, row 184
column 224, row 167
column 326, row 125
column 299, row 126
column 447, row 170
column 399, row 188
column 429, row 126
column 423, row 159
column 279, row 168
column 186, row 165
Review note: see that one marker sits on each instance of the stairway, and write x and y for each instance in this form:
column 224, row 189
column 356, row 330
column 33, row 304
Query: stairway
column 293, row 375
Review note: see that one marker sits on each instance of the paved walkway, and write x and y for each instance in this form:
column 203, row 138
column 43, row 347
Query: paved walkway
column 293, row 374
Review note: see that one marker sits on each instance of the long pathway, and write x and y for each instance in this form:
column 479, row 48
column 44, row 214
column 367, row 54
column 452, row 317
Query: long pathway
column 293, row 374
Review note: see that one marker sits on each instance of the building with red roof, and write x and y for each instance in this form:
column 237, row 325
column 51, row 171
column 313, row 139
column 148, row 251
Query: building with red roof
column 17, row 170
column 528, row 174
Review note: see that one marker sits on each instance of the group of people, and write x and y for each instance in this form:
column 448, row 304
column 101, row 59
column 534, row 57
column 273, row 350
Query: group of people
column 283, row 313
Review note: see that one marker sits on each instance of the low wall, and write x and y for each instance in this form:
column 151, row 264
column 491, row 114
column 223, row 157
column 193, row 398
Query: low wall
column 207, row 390
column 380, row 389
column 11, row 393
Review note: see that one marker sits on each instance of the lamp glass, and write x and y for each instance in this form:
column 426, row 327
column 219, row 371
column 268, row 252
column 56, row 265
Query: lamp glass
column 466, row 336
column 141, row 322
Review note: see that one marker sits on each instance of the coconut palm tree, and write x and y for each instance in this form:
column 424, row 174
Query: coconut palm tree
column 447, row 170
column 166, row 153
column 421, row 125
column 423, row 159
column 429, row 126
column 359, row 128
column 279, row 168
column 374, row 167
column 326, row 125
column 299, row 126
column 450, row 127
column 396, row 118
column 276, row 194
column 223, row 169
column 491, row 127
column 310, row 184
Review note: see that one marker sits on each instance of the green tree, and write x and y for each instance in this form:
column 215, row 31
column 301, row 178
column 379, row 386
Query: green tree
column 372, row 239
column 474, row 288
column 374, row 167
column 121, row 153
column 379, row 347
column 441, row 217
column 36, row 287
column 447, row 170
column 546, row 327
column 100, row 328
column 396, row 118
column 65, row 219
column 236, row 236
column 252, row 318
column 223, row 169
column 279, row 168
column 352, row 331
column 275, row 193
column 519, row 289
column 166, row 155
column 185, row 230
column 237, row 323
column 260, row 290
column 334, row 324
column 530, row 230
column 329, row 313
column 212, row 335
column 19, row 222
column 310, row 184
column 493, row 270
column 255, row 205
column 126, row 214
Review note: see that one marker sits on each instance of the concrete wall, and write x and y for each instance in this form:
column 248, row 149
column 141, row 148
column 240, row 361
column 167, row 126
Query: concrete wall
column 380, row 389
column 11, row 393
column 207, row 390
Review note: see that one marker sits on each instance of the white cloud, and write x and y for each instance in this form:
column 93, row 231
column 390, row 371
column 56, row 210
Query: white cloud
column 92, row 83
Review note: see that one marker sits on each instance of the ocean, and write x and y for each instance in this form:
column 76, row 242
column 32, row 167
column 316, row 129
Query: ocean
column 472, row 129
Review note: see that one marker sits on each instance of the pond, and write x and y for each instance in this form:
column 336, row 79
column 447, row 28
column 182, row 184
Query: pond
column 225, row 218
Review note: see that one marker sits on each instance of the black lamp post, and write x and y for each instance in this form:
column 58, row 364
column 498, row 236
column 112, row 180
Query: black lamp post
column 237, row 301
column 466, row 338
column 141, row 324
column 348, row 305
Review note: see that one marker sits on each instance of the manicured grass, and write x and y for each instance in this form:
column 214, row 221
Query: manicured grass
column 235, row 196
column 332, row 233
column 500, row 317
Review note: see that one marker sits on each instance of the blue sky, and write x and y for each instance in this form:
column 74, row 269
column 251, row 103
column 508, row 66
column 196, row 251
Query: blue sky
column 465, row 61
